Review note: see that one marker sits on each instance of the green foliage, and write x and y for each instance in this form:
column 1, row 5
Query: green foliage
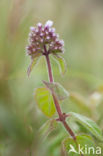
column 33, row 63
column 89, row 124
column 45, row 101
column 83, row 52
column 61, row 63
column 82, row 141
column 57, row 89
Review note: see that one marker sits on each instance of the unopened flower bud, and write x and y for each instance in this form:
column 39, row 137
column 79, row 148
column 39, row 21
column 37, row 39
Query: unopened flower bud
column 49, row 23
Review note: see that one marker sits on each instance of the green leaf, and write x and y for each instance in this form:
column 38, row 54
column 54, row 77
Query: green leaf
column 83, row 142
column 48, row 127
column 57, row 89
column 33, row 63
column 88, row 124
column 45, row 101
column 61, row 62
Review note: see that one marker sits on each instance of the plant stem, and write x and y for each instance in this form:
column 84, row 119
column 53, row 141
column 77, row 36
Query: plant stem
column 57, row 105
column 49, row 68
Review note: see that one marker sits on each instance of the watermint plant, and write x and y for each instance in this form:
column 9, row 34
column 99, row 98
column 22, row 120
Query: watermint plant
column 44, row 41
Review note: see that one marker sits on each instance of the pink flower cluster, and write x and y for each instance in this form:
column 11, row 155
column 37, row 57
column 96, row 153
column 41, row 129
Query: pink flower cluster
column 43, row 39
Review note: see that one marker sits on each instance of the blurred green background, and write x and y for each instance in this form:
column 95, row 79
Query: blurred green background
column 80, row 25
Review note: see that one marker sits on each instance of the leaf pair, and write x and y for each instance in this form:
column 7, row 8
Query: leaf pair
column 57, row 89
column 60, row 60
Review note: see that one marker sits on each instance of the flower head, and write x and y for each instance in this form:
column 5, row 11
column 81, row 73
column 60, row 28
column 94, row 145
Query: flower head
column 43, row 39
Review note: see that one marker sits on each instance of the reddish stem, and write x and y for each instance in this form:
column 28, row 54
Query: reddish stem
column 61, row 115
column 49, row 68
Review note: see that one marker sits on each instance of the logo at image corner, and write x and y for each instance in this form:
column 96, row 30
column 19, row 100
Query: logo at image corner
column 85, row 150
